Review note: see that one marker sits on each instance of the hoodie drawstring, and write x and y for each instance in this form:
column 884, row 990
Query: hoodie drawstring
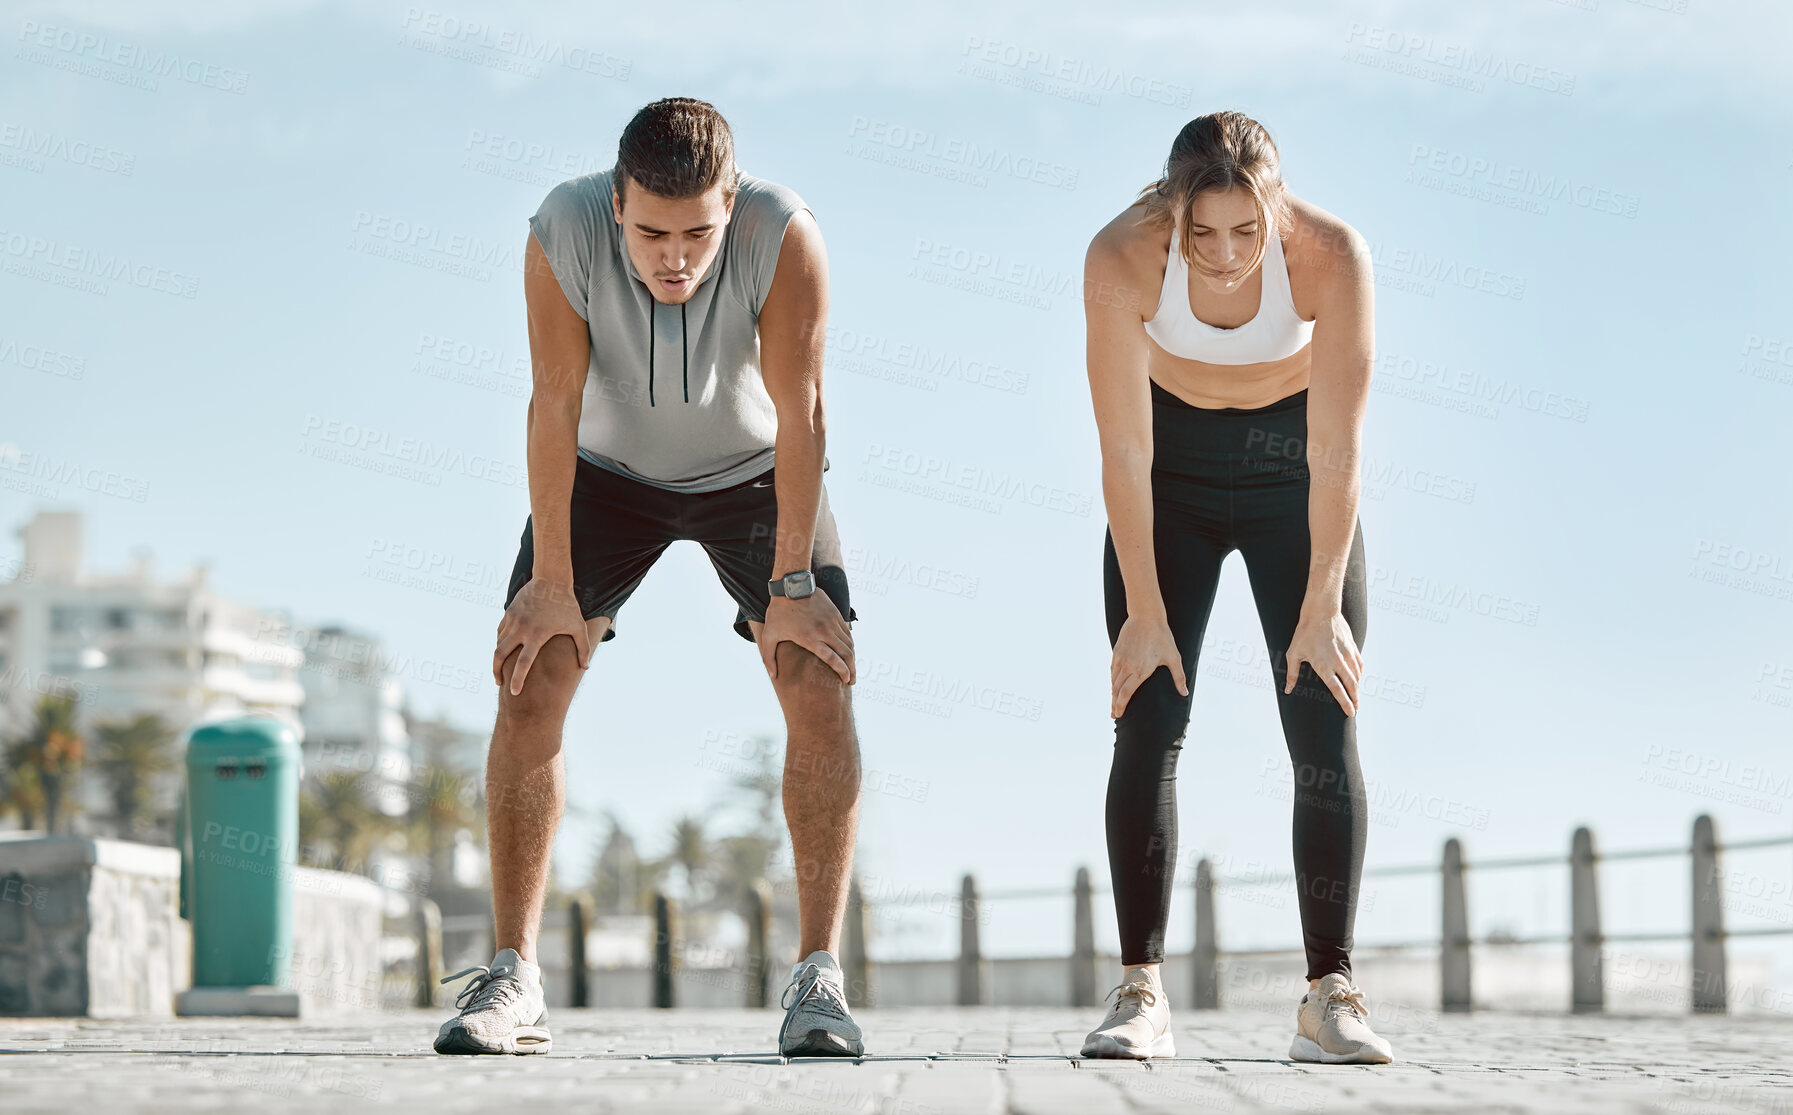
column 684, row 349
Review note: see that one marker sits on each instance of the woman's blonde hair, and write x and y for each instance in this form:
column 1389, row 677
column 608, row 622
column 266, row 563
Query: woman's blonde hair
column 1219, row 151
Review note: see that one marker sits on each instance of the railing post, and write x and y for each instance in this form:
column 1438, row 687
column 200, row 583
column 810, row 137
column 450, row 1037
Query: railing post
column 971, row 967
column 1709, row 994
column 665, row 955
column 1083, row 942
column 853, row 962
column 1587, row 978
column 578, row 924
column 1207, row 941
column 429, row 951
column 759, row 912
column 1453, row 941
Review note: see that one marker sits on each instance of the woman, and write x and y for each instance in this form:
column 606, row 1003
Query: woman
column 1230, row 338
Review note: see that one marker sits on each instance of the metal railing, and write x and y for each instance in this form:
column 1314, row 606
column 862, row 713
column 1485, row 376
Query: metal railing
column 1707, row 934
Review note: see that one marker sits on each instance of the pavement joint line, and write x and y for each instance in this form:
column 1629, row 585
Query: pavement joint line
column 998, row 1059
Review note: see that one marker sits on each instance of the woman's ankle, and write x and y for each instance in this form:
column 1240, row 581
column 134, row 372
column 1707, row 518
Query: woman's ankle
column 1152, row 971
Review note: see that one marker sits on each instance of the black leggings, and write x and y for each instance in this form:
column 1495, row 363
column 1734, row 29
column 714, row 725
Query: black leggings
column 1224, row 480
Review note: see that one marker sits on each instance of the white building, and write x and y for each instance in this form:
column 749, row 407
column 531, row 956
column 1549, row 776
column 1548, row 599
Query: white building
column 440, row 742
column 442, row 745
column 126, row 644
column 129, row 644
column 354, row 712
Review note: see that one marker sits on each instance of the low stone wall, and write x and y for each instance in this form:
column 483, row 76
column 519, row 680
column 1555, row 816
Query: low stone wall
column 90, row 927
column 337, row 925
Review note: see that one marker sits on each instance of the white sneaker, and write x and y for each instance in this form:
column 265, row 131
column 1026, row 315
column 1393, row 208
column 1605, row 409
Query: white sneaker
column 502, row 1010
column 1332, row 1026
column 1138, row 1025
column 816, row 1022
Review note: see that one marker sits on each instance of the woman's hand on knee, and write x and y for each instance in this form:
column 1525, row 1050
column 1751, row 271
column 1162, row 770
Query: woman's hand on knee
column 1325, row 642
column 1142, row 646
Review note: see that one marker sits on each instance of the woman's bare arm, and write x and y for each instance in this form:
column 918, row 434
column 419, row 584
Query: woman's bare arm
column 1120, row 390
column 1114, row 301
column 1343, row 356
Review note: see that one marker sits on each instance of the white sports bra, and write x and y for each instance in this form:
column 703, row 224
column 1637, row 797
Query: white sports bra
column 1276, row 333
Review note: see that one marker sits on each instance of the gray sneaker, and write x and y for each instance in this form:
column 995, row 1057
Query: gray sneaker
column 816, row 1022
column 502, row 1009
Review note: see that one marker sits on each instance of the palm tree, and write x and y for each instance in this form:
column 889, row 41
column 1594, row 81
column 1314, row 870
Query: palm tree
column 690, row 851
column 335, row 810
column 617, row 877
column 447, row 803
column 742, row 860
column 132, row 753
column 763, row 787
column 24, row 792
column 746, row 857
column 41, row 762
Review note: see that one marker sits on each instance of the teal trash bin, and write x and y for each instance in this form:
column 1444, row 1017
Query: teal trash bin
column 243, row 823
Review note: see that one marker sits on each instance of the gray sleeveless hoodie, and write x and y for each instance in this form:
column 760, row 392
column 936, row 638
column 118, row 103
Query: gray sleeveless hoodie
column 673, row 395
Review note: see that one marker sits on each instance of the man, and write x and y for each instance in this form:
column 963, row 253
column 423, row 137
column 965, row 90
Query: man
column 647, row 426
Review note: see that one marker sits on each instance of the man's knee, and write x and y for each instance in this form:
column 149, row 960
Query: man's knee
column 802, row 673
column 547, row 688
column 809, row 690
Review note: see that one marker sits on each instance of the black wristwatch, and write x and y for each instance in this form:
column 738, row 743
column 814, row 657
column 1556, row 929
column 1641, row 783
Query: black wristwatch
column 794, row 586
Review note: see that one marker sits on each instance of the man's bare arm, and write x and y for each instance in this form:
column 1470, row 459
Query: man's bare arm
column 560, row 352
column 793, row 327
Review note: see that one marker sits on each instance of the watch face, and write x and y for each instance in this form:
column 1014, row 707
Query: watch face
column 799, row 585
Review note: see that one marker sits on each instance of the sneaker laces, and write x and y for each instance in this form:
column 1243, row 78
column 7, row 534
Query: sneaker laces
column 821, row 993
column 1351, row 997
column 1134, row 989
column 486, row 988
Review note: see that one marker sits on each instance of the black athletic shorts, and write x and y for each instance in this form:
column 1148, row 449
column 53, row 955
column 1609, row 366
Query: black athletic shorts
column 620, row 526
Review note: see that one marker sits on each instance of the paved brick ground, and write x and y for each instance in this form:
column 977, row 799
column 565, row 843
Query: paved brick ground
column 923, row 1062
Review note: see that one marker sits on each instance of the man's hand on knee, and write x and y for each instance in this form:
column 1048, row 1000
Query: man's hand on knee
column 812, row 623
column 541, row 610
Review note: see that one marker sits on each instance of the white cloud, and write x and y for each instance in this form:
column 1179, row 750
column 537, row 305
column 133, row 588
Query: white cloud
column 1642, row 49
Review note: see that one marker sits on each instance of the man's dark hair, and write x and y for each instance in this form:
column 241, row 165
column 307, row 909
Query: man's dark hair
column 677, row 148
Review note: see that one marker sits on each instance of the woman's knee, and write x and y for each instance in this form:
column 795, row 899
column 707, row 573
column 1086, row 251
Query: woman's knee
column 1155, row 719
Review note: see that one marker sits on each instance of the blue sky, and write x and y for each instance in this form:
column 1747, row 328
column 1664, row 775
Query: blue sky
column 1575, row 494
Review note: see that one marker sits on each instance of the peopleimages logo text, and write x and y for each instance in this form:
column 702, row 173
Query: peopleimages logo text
column 978, row 479
column 415, row 451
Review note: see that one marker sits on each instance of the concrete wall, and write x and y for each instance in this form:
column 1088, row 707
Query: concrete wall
column 337, row 925
column 90, row 927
